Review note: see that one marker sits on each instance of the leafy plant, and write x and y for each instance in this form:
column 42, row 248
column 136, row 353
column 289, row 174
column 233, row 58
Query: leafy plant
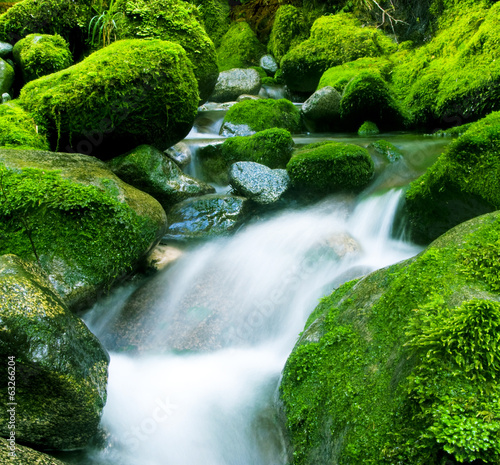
column 102, row 26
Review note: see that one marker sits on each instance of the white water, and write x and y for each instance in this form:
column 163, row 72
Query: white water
column 216, row 407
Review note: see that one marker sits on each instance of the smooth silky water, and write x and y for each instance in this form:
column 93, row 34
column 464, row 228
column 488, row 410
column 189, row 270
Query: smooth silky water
column 195, row 379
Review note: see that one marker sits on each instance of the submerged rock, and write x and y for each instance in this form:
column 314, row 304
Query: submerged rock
column 59, row 366
column 149, row 170
column 86, row 227
column 235, row 82
column 258, row 182
column 205, row 217
column 390, row 151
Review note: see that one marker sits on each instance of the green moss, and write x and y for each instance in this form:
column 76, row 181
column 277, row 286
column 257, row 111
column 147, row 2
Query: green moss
column 260, row 70
column 214, row 15
column 239, row 48
column 334, row 40
column 131, row 92
column 339, row 76
column 463, row 182
column 368, row 128
column 390, row 151
column 18, row 129
column 68, row 19
column 453, row 132
column 368, row 97
column 271, row 147
column 288, row 30
column 326, row 167
column 174, row 21
column 401, row 366
column 38, row 55
column 263, row 114
column 269, row 81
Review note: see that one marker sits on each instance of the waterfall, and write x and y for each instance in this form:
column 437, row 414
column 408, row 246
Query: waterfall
column 216, row 328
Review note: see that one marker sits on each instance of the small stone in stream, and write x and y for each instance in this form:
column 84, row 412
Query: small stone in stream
column 180, row 153
column 162, row 256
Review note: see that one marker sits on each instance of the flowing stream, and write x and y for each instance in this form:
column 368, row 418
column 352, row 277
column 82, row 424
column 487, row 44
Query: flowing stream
column 208, row 337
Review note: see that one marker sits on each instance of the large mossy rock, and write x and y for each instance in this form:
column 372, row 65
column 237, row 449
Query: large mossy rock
column 151, row 171
column 174, row 21
column 86, row 226
column 251, row 116
column 239, row 48
column 60, row 368
column 368, row 97
column 6, row 76
column 206, row 217
column 272, row 148
column 70, row 19
column 40, row 54
column 402, row 366
column 334, row 40
column 129, row 93
column 463, row 183
column 18, row 129
column 326, row 167
column 24, row 455
column 288, row 30
column 214, row 15
column 455, row 77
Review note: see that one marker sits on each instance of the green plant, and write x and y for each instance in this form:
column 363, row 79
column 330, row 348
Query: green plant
column 102, row 26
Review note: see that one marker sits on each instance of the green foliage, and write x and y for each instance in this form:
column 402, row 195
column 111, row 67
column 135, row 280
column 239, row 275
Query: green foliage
column 102, row 26
column 19, row 130
column 214, row 15
column 326, row 167
column 263, row 114
column 38, row 55
column 239, row 48
column 334, row 40
column 131, row 92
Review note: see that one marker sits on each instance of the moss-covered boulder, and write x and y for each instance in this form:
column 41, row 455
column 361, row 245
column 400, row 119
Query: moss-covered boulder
column 174, row 21
column 250, row 116
column 288, row 30
column 69, row 19
column 6, row 76
column 151, row 171
column 40, row 54
column 334, row 40
column 129, row 93
column 206, row 217
column 463, row 182
column 271, row 147
column 85, row 226
column 326, row 167
column 368, row 128
column 24, row 455
column 368, row 97
column 388, row 150
column 402, row 366
column 214, row 15
column 18, row 129
column 339, row 76
column 239, row 48
column 58, row 367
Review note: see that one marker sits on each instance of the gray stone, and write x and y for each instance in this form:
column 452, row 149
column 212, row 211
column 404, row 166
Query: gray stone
column 322, row 109
column 232, row 129
column 258, row 182
column 5, row 50
column 268, row 64
column 60, row 367
column 206, row 217
column 6, row 76
column 231, row 84
column 6, row 97
column 248, row 97
column 180, row 153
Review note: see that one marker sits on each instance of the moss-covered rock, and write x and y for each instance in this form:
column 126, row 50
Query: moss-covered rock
column 334, row 40
column 390, row 151
column 368, row 97
column 239, row 48
column 6, row 76
column 339, row 76
column 288, row 30
column 326, row 167
column 251, row 116
column 368, row 128
column 69, row 19
column 38, row 55
column 463, row 182
column 24, row 455
column 214, row 15
column 401, row 366
column 151, row 171
column 85, row 226
column 271, row 147
column 19, row 130
column 129, row 93
column 173, row 21
column 59, row 368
